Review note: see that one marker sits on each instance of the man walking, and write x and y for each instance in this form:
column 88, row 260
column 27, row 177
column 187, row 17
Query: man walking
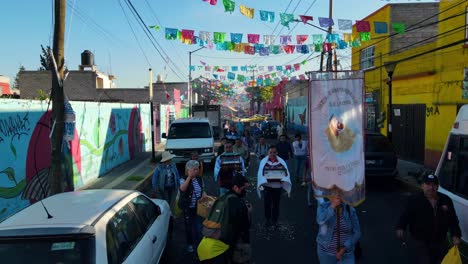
column 234, row 227
column 228, row 165
column 300, row 155
column 272, row 177
column 430, row 215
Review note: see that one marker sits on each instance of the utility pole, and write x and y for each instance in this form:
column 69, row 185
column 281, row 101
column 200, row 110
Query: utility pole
column 330, row 31
column 58, row 104
column 150, row 88
column 254, row 90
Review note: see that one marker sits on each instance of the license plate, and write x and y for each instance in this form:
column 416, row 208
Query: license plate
column 371, row 162
column 207, row 161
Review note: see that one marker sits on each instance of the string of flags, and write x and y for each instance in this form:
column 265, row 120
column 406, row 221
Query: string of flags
column 266, row 44
column 285, row 18
column 257, row 68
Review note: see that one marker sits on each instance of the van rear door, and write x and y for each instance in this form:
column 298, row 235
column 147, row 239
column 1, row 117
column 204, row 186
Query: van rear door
column 453, row 175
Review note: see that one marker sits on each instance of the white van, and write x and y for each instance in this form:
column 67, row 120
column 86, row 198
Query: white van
column 187, row 135
column 453, row 169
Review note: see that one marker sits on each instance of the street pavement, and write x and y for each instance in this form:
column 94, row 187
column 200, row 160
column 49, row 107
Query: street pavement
column 294, row 240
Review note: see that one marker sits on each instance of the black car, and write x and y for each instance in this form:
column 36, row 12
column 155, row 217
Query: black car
column 381, row 159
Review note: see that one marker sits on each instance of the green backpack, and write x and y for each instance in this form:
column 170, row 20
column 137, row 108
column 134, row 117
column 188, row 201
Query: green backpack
column 215, row 225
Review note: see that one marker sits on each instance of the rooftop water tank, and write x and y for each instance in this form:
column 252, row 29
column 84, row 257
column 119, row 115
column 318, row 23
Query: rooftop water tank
column 87, row 58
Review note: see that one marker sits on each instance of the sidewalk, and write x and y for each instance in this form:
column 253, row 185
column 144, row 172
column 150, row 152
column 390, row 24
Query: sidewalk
column 132, row 175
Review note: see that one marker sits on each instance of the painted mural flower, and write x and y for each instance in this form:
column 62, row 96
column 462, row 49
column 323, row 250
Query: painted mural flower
column 112, row 124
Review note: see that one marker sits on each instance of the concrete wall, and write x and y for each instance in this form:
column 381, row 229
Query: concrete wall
column 412, row 14
column 106, row 135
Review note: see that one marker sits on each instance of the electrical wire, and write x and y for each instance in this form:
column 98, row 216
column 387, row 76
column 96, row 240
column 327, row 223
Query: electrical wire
column 152, row 39
column 170, row 42
column 134, row 34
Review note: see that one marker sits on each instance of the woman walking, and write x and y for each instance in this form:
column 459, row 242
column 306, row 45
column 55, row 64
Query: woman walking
column 339, row 231
column 191, row 189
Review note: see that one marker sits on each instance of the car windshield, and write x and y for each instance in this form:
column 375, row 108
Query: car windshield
column 189, row 130
column 378, row 143
column 47, row 250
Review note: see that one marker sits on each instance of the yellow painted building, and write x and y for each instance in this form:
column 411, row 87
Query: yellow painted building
column 428, row 77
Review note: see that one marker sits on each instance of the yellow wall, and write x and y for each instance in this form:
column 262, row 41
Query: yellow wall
column 433, row 79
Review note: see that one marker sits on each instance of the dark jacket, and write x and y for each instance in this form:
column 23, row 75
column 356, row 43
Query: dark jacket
column 425, row 223
column 284, row 149
column 238, row 223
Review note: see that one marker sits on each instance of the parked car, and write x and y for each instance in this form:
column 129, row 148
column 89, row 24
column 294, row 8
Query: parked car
column 381, row 159
column 92, row 226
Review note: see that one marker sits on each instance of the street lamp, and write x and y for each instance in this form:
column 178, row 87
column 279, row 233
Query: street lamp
column 390, row 68
column 150, row 88
column 190, row 80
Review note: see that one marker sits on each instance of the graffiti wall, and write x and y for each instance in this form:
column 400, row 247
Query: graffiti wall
column 297, row 114
column 106, row 135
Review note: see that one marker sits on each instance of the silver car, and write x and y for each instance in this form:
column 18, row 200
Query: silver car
column 91, row 226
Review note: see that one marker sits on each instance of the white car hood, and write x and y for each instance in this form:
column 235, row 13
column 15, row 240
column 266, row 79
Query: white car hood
column 189, row 143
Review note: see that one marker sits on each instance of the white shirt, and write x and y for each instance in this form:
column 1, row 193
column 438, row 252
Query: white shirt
column 300, row 150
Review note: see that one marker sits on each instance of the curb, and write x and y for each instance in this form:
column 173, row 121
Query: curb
column 144, row 184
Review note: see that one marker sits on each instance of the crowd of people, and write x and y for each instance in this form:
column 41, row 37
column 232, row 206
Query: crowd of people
column 224, row 238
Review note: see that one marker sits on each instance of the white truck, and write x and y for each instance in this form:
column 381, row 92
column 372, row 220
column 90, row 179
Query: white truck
column 213, row 113
column 452, row 169
column 187, row 135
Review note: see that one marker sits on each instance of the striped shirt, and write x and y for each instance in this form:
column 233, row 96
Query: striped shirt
column 197, row 192
column 344, row 235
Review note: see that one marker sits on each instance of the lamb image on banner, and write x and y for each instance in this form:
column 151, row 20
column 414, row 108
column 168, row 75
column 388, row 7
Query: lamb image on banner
column 336, row 134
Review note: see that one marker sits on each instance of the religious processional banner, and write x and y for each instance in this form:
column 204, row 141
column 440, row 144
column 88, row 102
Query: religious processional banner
column 336, row 134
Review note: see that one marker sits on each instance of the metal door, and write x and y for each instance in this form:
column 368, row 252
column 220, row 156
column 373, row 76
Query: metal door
column 409, row 123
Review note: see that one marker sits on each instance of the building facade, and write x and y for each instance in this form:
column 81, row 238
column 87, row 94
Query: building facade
column 426, row 86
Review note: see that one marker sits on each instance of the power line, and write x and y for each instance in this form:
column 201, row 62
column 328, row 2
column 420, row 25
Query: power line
column 134, row 35
column 172, row 45
column 150, row 36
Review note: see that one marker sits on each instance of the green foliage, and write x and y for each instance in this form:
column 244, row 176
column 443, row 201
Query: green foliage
column 16, row 83
column 46, row 59
column 41, row 95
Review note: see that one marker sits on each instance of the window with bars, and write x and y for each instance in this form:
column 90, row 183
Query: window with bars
column 367, row 57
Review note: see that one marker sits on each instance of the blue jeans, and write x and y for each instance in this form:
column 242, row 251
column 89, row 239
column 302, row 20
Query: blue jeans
column 300, row 166
column 325, row 258
column 193, row 226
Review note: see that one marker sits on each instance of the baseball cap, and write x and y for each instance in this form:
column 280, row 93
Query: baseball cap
column 430, row 178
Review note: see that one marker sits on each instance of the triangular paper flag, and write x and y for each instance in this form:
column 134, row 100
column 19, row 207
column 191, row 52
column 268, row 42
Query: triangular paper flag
column 398, row 27
column 304, row 19
column 229, row 5
column 248, row 12
column 380, row 27
column 267, row 16
column 345, row 24
column 362, row 26
column 286, row 19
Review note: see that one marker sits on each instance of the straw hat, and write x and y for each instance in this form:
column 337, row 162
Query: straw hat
column 166, row 156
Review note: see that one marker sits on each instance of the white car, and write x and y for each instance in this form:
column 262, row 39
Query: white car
column 91, row 226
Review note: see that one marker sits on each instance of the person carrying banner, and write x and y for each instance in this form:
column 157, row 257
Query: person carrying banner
column 272, row 177
column 339, row 231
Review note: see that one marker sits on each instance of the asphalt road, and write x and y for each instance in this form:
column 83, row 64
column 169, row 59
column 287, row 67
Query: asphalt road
column 294, row 240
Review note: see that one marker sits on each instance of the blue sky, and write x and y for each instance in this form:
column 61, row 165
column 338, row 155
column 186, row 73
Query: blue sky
column 102, row 27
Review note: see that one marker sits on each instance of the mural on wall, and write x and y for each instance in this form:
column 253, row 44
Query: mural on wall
column 297, row 114
column 167, row 115
column 105, row 136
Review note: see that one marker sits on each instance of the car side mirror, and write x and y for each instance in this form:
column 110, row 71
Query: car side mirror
column 164, row 135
